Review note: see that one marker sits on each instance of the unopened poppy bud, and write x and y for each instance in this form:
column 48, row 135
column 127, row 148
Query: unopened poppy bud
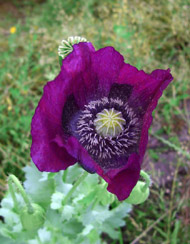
column 141, row 191
column 32, row 221
column 138, row 196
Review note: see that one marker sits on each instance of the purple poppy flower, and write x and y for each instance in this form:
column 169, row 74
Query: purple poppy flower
column 97, row 112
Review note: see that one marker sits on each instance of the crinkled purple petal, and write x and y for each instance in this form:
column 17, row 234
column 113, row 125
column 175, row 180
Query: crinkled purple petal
column 92, row 73
column 77, row 66
column 144, row 85
column 106, row 66
column 162, row 79
column 147, row 89
column 75, row 149
column 46, row 124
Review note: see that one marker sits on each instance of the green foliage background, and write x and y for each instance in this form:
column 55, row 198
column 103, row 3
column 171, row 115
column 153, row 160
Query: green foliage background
column 150, row 34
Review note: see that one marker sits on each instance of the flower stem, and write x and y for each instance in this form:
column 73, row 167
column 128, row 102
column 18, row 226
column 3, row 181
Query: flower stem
column 14, row 179
column 120, row 236
column 12, row 193
column 69, row 194
column 147, row 180
column 64, row 176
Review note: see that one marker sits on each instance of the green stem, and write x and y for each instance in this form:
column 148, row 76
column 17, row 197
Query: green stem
column 64, row 176
column 120, row 236
column 147, row 180
column 12, row 194
column 14, row 179
column 69, row 194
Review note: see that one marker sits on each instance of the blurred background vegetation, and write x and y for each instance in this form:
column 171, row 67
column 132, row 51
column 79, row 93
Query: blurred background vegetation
column 150, row 34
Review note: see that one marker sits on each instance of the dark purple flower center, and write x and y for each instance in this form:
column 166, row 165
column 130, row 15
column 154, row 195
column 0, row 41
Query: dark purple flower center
column 106, row 148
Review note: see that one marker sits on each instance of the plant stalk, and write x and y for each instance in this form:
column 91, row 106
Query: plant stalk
column 69, row 194
column 14, row 179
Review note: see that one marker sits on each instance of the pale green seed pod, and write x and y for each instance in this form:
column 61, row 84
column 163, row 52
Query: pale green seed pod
column 32, row 221
column 66, row 46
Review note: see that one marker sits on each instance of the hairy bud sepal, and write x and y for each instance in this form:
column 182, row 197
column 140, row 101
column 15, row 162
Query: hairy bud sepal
column 32, row 221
